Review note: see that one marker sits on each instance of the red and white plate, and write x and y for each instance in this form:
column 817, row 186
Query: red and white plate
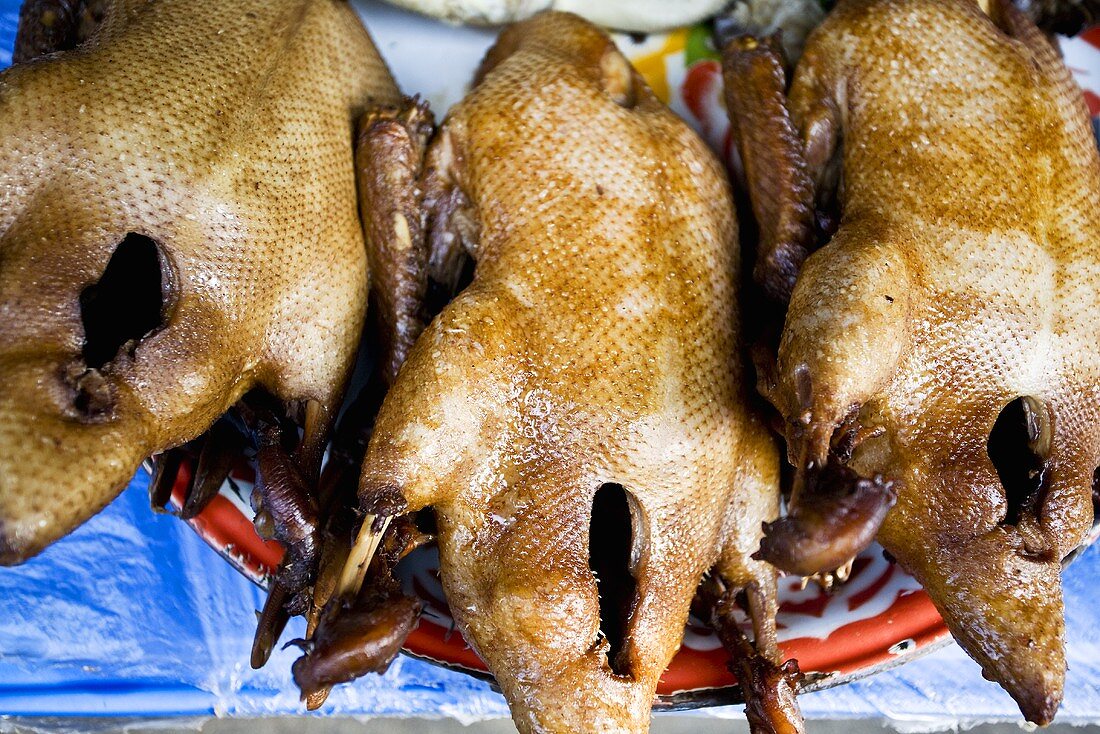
column 879, row 618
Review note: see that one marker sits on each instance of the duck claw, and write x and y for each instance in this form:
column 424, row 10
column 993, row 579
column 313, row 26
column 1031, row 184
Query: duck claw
column 768, row 686
column 221, row 448
column 165, row 470
column 362, row 627
column 357, row 637
column 286, row 510
column 282, row 494
column 270, row 624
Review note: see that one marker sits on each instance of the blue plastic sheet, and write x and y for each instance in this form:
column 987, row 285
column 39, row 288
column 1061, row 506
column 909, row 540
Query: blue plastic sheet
column 134, row 615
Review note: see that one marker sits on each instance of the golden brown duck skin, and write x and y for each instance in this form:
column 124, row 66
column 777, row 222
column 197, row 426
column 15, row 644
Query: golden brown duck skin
column 178, row 225
column 596, row 347
column 961, row 281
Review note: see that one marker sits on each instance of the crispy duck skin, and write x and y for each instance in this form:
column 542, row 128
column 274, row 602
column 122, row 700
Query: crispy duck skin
column 178, row 226
column 592, row 360
column 961, row 282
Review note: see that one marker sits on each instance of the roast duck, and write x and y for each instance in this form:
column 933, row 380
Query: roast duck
column 179, row 229
column 928, row 193
column 198, row 201
column 592, row 363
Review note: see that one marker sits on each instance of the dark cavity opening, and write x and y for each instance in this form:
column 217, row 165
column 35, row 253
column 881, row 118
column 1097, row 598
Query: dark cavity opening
column 609, row 551
column 1018, row 447
column 127, row 302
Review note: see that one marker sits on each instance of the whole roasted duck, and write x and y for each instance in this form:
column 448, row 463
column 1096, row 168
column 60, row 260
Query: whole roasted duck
column 577, row 417
column 944, row 345
column 179, row 226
